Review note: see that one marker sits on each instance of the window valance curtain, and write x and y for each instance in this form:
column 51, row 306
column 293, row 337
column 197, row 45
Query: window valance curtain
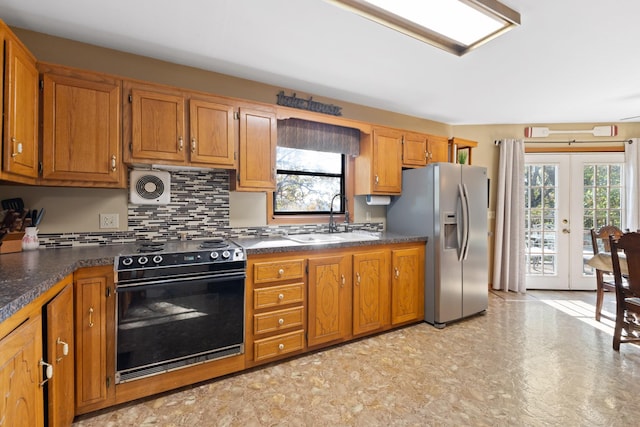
column 307, row 135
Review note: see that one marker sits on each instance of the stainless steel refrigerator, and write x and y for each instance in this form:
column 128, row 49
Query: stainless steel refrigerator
column 448, row 203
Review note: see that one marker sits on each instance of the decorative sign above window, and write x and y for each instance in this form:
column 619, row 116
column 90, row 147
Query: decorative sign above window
column 308, row 104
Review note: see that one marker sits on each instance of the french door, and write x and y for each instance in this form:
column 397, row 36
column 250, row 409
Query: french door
column 567, row 194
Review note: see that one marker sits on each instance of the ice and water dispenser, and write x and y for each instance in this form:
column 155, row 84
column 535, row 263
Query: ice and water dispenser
column 450, row 223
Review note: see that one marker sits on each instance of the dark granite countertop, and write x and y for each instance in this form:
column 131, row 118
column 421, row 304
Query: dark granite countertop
column 26, row 275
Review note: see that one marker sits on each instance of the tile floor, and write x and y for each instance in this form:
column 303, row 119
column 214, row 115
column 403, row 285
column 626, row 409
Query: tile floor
column 532, row 360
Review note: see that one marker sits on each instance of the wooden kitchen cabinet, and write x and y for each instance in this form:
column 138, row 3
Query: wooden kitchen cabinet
column 407, row 284
column 379, row 165
column 415, row 151
column 156, row 124
column 438, row 148
column 370, row 291
column 21, row 374
column 276, row 289
column 459, row 144
column 257, row 151
column 60, row 354
column 329, row 301
column 94, row 338
column 20, row 111
column 81, row 130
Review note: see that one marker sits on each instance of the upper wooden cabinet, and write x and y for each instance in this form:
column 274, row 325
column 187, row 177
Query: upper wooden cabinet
column 20, row 111
column 458, row 146
column 379, row 165
column 81, row 128
column 437, row 148
column 169, row 126
column 257, row 162
column 415, row 152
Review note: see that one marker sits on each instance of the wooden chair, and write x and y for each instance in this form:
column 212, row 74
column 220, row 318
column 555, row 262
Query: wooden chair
column 627, row 293
column 602, row 235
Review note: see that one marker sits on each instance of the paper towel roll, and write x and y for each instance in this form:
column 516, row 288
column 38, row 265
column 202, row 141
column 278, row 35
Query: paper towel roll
column 378, row 200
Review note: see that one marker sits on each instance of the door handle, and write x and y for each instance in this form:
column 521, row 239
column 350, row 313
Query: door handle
column 566, row 231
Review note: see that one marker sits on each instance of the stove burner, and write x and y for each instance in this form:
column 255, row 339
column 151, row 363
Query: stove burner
column 213, row 243
column 151, row 247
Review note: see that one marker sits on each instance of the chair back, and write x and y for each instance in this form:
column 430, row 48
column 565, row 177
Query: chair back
column 629, row 243
column 603, row 236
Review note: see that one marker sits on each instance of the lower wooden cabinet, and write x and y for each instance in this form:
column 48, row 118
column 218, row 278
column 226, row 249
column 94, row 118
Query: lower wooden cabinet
column 33, row 362
column 407, row 285
column 315, row 298
column 20, row 375
column 95, row 338
column 329, row 303
column 370, row 291
column 60, row 354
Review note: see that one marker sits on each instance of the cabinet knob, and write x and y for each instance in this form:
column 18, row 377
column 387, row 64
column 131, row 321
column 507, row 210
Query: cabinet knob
column 280, row 272
column 280, row 297
column 280, row 347
column 280, row 322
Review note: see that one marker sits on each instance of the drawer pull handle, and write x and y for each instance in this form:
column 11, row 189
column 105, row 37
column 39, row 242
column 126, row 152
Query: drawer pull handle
column 280, row 347
column 48, row 372
column 280, row 272
column 91, row 317
column 280, row 297
column 280, row 322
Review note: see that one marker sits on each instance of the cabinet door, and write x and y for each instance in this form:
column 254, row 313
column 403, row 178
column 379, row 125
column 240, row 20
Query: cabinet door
column 20, row 112
column 212, row 139
column 407, row 285
column 20, row 376
column 60, row 354
column 258, row 135
column 414, row 150
column 329, row 301
column 370, row 291
column 438, row 149
column 157, row 126
column 81, row 130
column 387, row 161
column 94, row 334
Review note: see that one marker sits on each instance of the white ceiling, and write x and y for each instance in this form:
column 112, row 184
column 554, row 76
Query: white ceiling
column 569, row 61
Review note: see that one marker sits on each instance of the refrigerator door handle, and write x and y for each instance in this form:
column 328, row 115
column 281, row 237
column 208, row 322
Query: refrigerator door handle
column 460, row 223
column 464, row 250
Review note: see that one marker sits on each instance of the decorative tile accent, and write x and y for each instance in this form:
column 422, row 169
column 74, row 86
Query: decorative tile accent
column 199, row 208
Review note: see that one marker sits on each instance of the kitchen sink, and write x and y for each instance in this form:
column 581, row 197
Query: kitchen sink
column 320, row 238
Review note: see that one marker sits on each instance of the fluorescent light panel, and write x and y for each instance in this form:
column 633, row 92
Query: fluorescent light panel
column 456, row 26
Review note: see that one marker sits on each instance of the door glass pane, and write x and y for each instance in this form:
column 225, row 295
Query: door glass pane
column 603, row 194
column 541, row 218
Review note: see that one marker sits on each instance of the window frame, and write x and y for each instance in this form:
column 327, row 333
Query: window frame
column 319, row 218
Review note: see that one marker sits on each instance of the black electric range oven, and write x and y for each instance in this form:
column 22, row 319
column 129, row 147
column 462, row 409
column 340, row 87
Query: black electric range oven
column 178, row 304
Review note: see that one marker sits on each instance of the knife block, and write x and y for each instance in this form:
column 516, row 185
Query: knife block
column 11, row 243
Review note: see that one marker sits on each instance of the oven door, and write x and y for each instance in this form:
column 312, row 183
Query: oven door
column 164, row 325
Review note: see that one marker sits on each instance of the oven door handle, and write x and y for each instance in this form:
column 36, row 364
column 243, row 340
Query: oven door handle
column 215, row 278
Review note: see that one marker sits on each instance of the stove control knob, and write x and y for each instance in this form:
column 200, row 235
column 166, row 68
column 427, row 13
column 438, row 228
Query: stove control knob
column 143, row 260
column 226, row 254
column 157, row 259
column 214, row 255
column 127, row 261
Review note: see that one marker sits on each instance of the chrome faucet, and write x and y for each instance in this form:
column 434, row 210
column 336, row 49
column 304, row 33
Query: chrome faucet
column 333, row 227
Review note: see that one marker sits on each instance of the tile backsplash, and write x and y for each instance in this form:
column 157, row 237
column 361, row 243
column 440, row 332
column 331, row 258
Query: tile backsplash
column 199, row 209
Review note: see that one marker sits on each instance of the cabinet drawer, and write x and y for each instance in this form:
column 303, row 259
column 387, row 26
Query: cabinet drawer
column 268, row 272
column 278, row 345
column 277, row 320
column 275, row 296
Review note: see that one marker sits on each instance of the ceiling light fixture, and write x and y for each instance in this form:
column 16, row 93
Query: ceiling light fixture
column 456, row 26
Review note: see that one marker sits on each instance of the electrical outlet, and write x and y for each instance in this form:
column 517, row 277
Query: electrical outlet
column 109, row 220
